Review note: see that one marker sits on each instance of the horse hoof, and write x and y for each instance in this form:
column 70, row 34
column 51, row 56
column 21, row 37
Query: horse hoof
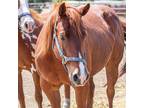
column 66, row 104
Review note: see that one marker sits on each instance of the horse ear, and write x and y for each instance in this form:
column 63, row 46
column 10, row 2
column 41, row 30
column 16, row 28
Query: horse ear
column 84, row 9
column 62, row 10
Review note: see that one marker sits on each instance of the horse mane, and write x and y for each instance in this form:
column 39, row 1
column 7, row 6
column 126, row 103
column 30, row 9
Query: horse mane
column 36, row 16
column 44, row 41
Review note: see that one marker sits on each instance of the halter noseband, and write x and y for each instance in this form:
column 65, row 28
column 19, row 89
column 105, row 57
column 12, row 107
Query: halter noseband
column 24, row 14
column 64, row 58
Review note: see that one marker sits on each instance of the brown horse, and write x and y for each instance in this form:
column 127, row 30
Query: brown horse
column 26, row 60
column 81, row 40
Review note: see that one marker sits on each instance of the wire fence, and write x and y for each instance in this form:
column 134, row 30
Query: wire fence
column 118, row 6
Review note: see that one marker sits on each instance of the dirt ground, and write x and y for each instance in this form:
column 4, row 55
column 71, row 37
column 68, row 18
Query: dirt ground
column 100, row 98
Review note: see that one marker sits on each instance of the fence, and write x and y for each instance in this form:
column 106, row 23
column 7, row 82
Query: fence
column 118, row 6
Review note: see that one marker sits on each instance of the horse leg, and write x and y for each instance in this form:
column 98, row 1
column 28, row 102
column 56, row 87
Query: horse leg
column 38, row 91
column 112, row 76
column 20, row 90
column 66, row 103
column 91, row 93
column 82, row 95
column 51, row 92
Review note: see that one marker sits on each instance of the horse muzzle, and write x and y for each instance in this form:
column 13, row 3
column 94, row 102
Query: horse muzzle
column 78, row 78
column 27, row 24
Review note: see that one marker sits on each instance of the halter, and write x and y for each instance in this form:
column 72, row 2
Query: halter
column 24, row 14
column 64, row 58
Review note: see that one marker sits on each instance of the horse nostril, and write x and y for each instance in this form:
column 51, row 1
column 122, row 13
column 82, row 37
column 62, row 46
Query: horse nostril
column 75, row 77
column 26, row 25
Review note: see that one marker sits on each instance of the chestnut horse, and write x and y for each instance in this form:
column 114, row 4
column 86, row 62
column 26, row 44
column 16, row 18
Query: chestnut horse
column 74, row 44
column 26, row 61
column 30, row 22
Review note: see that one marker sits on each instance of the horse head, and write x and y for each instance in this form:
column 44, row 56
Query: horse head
column 67, row 36
column 26, row 22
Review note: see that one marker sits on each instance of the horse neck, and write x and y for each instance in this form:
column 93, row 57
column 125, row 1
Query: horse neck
column 20, row 39
column 24, row 54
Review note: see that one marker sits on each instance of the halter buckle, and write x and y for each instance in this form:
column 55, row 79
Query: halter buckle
column 64, row 61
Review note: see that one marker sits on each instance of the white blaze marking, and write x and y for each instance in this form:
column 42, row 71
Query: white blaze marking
column 75, row 71
column 82, row 70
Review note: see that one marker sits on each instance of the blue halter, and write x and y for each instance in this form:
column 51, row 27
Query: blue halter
column 24, row 14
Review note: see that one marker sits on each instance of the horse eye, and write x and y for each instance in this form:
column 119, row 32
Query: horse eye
column 61, row 36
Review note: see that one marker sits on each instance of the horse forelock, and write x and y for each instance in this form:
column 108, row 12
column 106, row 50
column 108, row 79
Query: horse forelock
column 76, row 21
